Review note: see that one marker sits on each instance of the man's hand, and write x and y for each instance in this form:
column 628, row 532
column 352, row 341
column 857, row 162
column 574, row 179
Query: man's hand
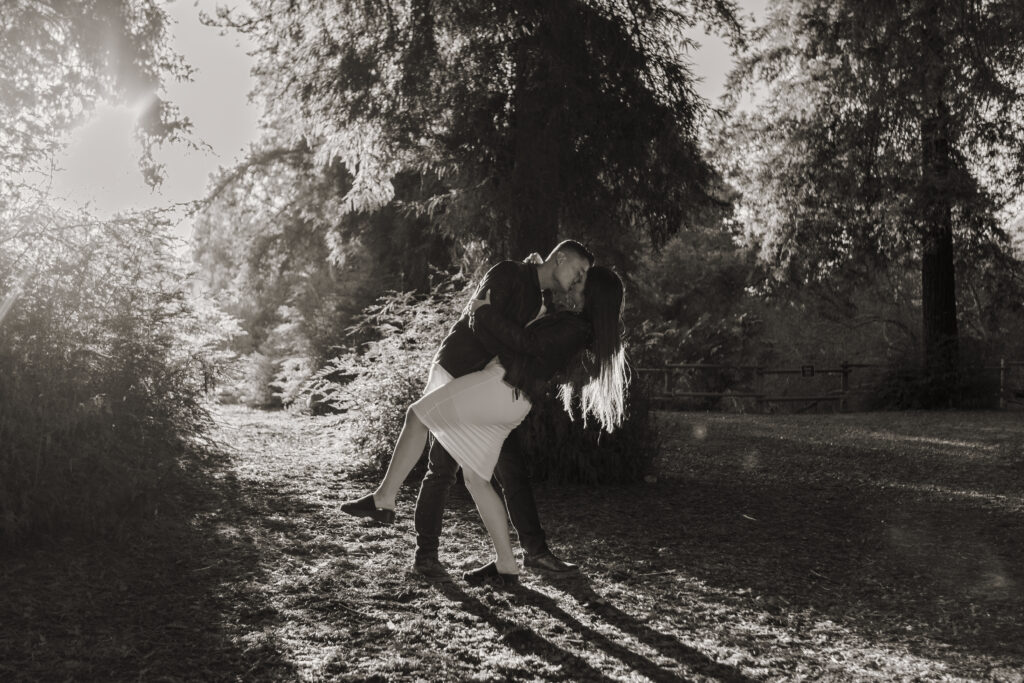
column 477, row 303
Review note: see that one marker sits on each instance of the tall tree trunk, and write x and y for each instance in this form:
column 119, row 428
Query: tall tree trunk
column 938, row 275
column 536, row 184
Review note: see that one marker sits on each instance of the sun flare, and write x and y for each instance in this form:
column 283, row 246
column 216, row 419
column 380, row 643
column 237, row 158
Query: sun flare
column 99, row 166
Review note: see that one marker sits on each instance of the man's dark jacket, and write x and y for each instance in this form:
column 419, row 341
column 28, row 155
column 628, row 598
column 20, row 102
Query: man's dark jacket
column 515, row 296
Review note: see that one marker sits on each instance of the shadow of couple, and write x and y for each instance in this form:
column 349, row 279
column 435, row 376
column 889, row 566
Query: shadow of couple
column 526, row 640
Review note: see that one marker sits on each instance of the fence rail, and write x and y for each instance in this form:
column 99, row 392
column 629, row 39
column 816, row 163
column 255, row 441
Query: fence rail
column 664, row 389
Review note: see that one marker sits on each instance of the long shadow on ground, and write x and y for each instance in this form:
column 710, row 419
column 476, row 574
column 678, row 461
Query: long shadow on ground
column 665, row 645
column 524, row 639
column 175, row 598
column 941, row 573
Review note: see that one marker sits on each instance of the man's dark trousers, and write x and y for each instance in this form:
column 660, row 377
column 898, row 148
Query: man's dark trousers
column 513, row 479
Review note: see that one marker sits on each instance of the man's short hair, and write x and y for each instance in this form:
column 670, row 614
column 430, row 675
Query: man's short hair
column 574, row 247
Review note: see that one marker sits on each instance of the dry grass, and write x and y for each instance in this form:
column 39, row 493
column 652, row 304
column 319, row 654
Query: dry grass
column 850, row 547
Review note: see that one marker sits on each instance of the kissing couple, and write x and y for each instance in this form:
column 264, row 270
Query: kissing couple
column 496, row 362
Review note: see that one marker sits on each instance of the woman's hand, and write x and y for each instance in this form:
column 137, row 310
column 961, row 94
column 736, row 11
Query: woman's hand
column 477, row 303
column 534, row 258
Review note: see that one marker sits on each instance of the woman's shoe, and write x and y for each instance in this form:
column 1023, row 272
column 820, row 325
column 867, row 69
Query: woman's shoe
column 365, row 507
column 489, row 574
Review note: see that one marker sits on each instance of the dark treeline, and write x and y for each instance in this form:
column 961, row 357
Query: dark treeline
column 855, row 202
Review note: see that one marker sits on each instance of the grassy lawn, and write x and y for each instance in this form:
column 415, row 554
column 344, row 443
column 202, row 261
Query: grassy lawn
column 838, row 547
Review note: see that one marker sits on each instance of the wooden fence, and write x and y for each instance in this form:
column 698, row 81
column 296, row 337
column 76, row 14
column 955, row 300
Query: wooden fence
column 664, row 382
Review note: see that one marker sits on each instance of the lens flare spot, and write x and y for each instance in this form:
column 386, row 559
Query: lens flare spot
column 751, row 459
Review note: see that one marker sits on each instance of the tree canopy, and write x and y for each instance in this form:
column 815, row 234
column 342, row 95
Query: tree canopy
column 104, row 362
column 887, row 133
column 62, row 58
column 521, row 121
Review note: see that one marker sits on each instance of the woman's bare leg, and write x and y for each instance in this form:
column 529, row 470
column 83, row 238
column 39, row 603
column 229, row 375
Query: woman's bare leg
column 492, row 511
column 408, row 450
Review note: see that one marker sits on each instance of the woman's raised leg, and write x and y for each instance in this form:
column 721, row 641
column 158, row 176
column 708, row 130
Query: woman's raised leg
column 492, row 511
column 408, row 450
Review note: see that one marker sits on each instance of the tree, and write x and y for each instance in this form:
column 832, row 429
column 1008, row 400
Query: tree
column 513, row 122
column 275, row 246
column 887, row 133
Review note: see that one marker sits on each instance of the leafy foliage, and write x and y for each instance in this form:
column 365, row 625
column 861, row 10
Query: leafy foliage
column 61, row 59
column 830, row 160
column 408, row 133
column 518, row 121
column 103, row 359
column 705, row 297
column 377, row 383
column 274, row 249
column 104, row 367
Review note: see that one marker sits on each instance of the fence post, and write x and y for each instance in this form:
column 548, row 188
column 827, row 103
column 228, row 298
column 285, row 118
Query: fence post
column 759, row 388
column 666, row 382
column 844, row 387
column 1002, row 384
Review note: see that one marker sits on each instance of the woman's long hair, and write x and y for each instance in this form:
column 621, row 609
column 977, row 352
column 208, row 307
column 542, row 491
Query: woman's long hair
column 604, row 395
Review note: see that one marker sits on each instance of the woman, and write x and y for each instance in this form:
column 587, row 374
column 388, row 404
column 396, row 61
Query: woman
column 473, row 415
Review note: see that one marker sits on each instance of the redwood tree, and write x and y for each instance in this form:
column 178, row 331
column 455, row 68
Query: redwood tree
column 883, row 133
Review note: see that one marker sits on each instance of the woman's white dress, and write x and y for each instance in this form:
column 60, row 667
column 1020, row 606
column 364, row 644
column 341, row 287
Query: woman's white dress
column 472, row 416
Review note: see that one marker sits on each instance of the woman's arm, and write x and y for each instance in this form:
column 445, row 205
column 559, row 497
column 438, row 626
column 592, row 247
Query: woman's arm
column 492, row 327
column 561, row 335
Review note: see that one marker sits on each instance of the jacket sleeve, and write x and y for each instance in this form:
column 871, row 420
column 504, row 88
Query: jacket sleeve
column 500, row 280
column 496, row 331
column 492, row 344
column 563, row 338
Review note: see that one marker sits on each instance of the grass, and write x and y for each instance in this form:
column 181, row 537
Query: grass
column 880, row 546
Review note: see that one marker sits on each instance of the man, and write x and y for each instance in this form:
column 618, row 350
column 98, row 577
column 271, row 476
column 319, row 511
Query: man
column 517, row 291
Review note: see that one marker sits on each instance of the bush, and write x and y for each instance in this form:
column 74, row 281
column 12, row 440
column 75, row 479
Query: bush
column 249, row 380
column 562, row 449
column 906, row 385
column 102, row 377
column 378, row 381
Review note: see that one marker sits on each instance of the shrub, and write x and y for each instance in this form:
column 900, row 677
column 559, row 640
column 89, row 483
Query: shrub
column 378, row 381
column 564, row 450
column 291, row 380
column 249, row 381
column 102, row 371
column 906, row 385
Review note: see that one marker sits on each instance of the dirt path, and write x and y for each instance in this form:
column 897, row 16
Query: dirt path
column 852, row 547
